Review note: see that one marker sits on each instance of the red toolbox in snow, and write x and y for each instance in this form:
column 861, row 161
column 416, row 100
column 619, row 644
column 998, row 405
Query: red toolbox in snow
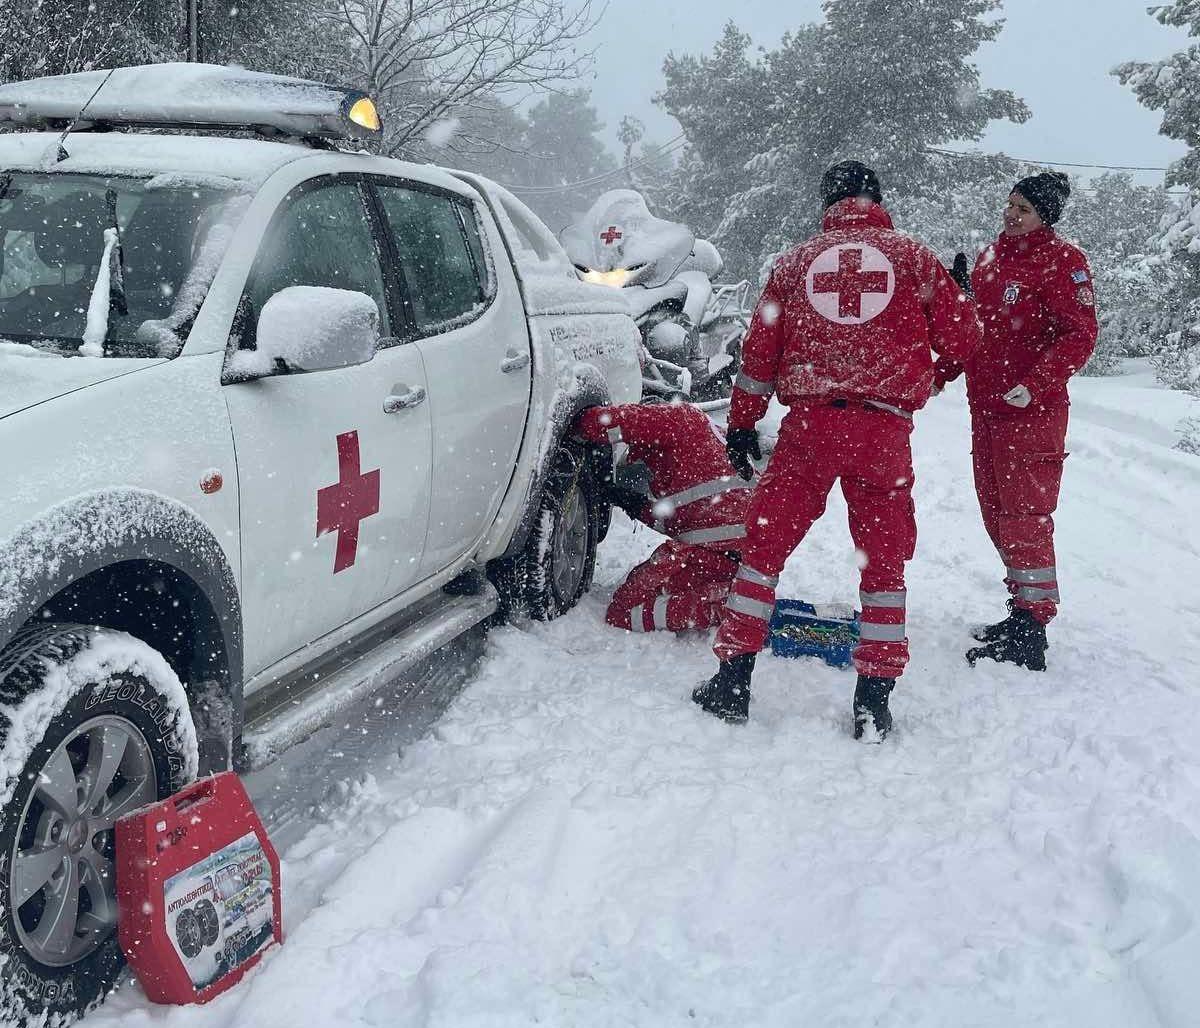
column 197, row 891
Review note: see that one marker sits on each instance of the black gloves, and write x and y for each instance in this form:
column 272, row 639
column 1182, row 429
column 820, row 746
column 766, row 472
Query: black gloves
column 628, row 487
column 961, row 273
column 741, row 444
column 629, row 500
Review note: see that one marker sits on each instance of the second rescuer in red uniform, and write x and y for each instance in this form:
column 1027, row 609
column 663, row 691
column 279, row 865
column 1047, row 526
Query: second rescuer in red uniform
column 842, row 334
column 1038, row 307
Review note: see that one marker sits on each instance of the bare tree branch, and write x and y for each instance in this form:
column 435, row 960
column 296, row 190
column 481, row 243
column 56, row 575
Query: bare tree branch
column 428, row 60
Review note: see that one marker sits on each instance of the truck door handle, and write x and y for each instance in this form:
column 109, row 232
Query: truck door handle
column 399, row 401
column 514, row 360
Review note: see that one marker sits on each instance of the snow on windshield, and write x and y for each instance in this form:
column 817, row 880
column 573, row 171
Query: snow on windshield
column 107, row 266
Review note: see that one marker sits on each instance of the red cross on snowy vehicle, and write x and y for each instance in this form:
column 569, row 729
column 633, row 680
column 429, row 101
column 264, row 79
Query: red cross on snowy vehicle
column 611, row 235
column 850, row 284
column 344, row 506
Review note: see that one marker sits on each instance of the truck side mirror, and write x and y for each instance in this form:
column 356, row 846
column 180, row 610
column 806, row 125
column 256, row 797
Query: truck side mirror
column 309, row 328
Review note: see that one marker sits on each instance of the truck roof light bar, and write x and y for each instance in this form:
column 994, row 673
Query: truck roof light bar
column 192, row 96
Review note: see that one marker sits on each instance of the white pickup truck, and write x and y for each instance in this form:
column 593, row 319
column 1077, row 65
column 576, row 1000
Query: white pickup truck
column 278, row 420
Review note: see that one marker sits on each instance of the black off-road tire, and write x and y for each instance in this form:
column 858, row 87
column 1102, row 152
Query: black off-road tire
column 556, row 566
column 54, row 682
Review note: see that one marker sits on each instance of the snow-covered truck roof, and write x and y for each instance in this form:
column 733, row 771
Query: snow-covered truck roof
column 175, row 101
column 142, row 155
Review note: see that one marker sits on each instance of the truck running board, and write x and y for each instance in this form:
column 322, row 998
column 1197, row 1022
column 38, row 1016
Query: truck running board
column 290, row 710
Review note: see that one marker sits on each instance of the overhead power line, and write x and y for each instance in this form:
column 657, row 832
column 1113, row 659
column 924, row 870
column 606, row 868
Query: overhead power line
column 1053, row 164
column 668, row 148
column 674, row 145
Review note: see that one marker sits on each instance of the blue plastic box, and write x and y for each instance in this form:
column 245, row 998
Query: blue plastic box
column 828, row 631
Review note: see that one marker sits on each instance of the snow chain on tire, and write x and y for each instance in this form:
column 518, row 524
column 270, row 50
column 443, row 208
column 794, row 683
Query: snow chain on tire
column 529, row 581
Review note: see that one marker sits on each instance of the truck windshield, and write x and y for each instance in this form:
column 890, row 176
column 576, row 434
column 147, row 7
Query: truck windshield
column 67, row 277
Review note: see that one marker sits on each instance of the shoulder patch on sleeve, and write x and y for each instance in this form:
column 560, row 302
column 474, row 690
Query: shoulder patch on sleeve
column 1080, row 276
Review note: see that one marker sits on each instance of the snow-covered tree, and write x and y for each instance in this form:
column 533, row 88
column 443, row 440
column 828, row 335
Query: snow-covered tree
column 879, row 81
column 1173, row 87
column 44, row 38
column 723, row 101
column 561, row 144
column 1115, row 221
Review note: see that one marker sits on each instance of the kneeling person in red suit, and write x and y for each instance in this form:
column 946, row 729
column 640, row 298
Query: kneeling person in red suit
column 693, row 496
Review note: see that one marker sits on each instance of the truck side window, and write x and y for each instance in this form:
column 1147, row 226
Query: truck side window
column 322, row 238
column 441, row 255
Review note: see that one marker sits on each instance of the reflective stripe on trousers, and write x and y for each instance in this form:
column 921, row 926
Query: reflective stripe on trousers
column 719, row 534
column 658, row 616
column 1035, row 584
column 752, row 608
column 753, row 386
column 753, row 593
column 747, row 574
column 702, row 491
column 882, row 617
column 895, row 599
column 868, row 631
column 1033, row 594
column 1035, row 576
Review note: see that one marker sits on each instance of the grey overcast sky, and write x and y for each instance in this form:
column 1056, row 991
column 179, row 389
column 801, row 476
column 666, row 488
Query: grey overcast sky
column 1056, row 54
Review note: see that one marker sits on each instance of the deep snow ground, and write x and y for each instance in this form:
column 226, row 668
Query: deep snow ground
column 574, row 844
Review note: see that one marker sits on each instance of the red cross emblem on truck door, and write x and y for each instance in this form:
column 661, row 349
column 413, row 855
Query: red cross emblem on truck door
column 342, row 507
column 611, row 236
column 851, row 284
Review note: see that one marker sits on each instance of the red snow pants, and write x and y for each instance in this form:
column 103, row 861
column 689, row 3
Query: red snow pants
column 1018, row 464
column 680, row 587
column 869, row 451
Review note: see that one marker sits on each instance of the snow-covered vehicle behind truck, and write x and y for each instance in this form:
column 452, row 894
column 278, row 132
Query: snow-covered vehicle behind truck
column 277, row 421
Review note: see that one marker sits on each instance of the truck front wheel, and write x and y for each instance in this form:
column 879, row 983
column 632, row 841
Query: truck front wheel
column 93, row 725
column 555, row 568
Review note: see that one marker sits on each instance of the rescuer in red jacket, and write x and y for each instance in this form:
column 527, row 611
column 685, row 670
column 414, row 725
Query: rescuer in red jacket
column 1035, row 297
column 694, row 496
column 842, row 334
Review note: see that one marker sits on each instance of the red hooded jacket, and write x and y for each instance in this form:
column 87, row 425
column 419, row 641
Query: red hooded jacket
column 698, row 497
column 1038, row 308
column 852, row 314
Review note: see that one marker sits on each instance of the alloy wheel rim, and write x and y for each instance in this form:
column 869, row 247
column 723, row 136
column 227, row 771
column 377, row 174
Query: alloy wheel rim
column 569, row 549
column 62, row 878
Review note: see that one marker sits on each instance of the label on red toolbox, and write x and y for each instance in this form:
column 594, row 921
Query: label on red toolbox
column 219, row 910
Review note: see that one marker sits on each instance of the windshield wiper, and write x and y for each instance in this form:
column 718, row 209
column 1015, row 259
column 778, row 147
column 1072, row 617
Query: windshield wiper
column 116, row 263
column 108, row 292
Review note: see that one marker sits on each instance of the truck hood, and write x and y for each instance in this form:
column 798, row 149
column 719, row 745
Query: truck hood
column 29, row 377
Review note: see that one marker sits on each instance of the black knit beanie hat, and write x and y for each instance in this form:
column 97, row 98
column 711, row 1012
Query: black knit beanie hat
column 849, row 178
column 1047, row 193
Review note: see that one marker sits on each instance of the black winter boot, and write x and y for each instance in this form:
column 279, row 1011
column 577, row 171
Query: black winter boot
column 872, row 719
column 1001, row 629
column 990, row 633
column 727, row 694
column 1023, row 643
